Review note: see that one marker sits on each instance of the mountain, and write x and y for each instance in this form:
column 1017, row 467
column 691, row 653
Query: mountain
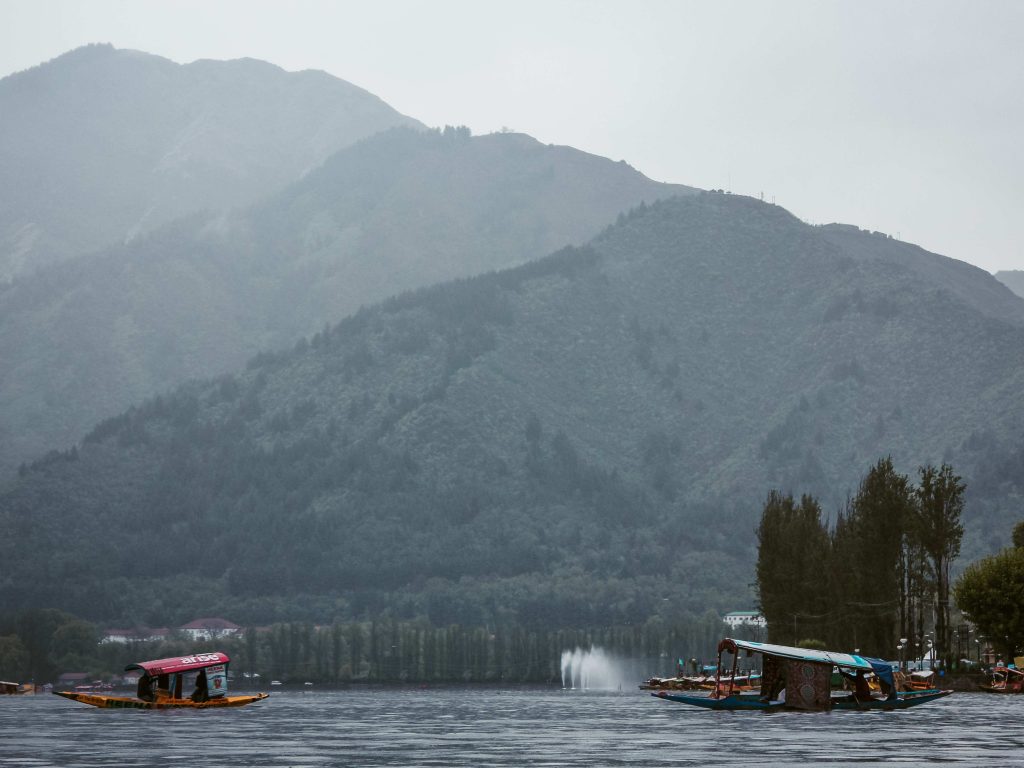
column 582, row 440
column 101, row 145
column 86, row 338
column 1012, row 279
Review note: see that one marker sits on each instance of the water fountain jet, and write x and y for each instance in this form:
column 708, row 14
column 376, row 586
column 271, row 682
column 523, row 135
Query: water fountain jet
column 591, row 669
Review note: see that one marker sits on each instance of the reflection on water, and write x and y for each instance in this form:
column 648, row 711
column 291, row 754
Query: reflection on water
column 477, row 727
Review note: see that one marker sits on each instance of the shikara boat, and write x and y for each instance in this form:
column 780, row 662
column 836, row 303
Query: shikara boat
column 1004, row 680
column 800, row 679
column 921, row 680
column 754, row 701
column 742, row 683
column 161, row 683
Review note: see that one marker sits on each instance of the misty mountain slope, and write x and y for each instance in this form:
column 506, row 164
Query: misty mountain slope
column 406, row 209
column 1012, row 279
column 585, row 439
column 85, row 339
column 100, row 145
column 965, row 281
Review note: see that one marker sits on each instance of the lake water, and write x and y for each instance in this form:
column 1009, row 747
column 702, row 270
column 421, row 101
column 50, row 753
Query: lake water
column 496, row 727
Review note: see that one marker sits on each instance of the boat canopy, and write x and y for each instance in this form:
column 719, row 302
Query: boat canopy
column 180, row 663
column 883, row 671
column 846, row 660
column 1011, row 670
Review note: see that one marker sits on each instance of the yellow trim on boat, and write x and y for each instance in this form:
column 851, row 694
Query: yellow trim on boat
column 161, row 702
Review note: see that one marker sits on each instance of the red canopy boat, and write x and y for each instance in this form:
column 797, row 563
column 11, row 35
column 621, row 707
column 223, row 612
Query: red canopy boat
column 211, row 685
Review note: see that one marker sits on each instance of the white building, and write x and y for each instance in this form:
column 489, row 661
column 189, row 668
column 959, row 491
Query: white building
column 135, row 635
column 745, row 619
column 210, row 629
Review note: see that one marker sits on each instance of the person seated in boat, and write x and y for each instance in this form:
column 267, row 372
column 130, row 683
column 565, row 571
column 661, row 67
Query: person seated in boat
column 773, row 679
column 861, row 689
column 145, row 688
column 163, row 686
column 202, row 691
column 859, row 681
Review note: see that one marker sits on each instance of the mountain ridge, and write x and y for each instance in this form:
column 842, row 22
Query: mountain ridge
column 100, row 145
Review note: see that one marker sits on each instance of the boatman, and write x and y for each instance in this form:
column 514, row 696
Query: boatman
column 145, row 689
column 202, row 691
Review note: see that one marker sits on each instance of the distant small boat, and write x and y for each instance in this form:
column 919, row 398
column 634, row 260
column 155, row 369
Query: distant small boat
column 1004, row 680
column 743, row 682
column 275, row 682
column 800, row 678
column 20, row 689
column 168, row 674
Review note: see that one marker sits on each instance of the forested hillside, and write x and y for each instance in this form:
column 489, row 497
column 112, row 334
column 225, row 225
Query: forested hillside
column 101, row 145
column 85, row 339
column 585, row 440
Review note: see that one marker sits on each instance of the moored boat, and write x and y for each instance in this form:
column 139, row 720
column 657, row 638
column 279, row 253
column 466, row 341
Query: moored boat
column 1004, row 680
column 162, row 682
column 753, row 701
column 744, row 682
column 8, row 688
column 800, row 678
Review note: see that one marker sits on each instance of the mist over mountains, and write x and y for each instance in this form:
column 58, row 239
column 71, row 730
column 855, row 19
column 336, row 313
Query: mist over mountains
column 468, row 429
column 198, row 297
column 101, row 145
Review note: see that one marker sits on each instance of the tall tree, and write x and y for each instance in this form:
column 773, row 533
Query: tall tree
column 13, row 658
column 1018, row 535
column 792, row 563
column 940, row 497
column 991, row 593
column 36, row 629
column 868, row 548
column 916, row 583
column 843, row 581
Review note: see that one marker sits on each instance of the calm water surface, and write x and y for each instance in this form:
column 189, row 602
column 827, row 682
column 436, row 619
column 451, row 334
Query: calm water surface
column 492, row 727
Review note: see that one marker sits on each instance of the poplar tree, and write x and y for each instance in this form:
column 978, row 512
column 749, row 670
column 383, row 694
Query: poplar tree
column 792, row 563
column 882, row 509
column 940, row 504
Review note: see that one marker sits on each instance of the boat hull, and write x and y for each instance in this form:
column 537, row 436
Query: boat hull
column 903, row 701
column 734, row 702
column 752, row 702
column 130, row 702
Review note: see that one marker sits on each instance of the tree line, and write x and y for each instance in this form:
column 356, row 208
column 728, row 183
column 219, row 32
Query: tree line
column 877, row 579
column 40, row 644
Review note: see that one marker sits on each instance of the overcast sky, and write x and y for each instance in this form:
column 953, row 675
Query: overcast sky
column 903, row 117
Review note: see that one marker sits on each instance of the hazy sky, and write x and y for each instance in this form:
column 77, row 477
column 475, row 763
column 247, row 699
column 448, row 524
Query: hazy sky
column 904, row 117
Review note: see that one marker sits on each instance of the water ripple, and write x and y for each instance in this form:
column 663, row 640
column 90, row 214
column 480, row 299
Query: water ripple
column 474, row 727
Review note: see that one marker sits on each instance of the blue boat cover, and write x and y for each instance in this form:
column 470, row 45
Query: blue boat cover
column 883, row 670
column 847, row 660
